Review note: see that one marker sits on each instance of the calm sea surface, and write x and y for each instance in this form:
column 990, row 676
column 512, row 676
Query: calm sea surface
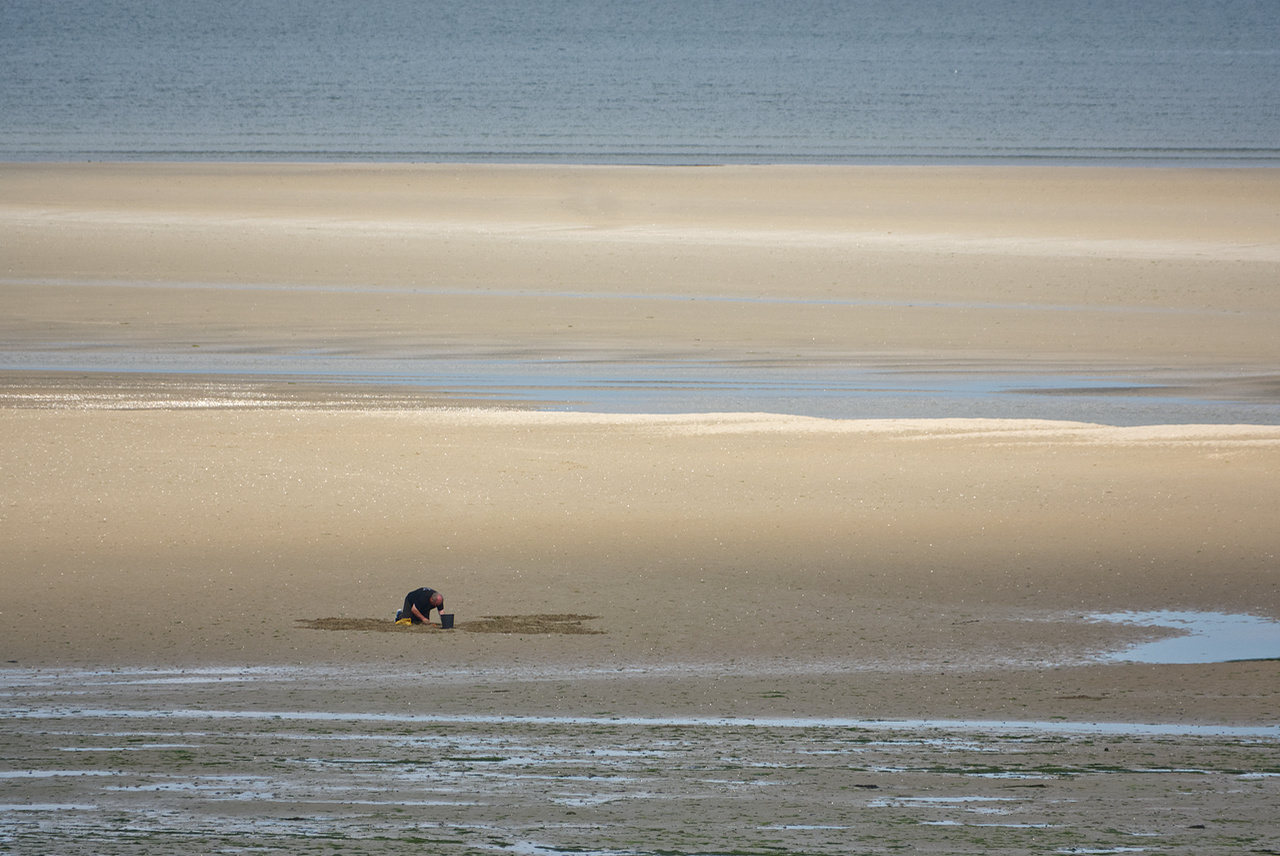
column 646, row 81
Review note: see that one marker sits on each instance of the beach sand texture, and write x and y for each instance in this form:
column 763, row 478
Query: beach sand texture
column 202, row 532
column 736, row 565
column 1165, row 268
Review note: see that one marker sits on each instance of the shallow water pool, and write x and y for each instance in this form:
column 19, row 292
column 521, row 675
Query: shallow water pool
column 1208, row 637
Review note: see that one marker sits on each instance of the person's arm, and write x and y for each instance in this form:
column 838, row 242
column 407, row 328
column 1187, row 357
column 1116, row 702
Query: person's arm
column 421, row 617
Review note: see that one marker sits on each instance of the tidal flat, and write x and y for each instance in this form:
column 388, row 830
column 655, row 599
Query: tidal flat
column 160, row 763
column 841, row 463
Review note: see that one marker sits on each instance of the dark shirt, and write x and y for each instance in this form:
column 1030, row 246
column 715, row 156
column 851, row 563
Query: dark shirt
column 420, row 598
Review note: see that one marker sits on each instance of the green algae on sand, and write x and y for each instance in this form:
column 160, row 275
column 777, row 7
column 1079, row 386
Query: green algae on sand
column 556, row 623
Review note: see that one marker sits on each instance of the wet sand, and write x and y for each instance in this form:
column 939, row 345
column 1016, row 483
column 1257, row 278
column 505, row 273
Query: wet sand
column 168, row 778
column 1150, row 270
column 769, row 542
column 741, row 565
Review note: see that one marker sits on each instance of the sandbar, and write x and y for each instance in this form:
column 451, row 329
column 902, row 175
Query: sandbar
column 168, row 519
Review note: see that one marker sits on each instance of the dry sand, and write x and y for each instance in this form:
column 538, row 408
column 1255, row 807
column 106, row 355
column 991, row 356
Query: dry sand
column 740, row 565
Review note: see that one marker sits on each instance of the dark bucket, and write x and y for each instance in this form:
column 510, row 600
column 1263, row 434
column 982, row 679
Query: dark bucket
column 446, row 620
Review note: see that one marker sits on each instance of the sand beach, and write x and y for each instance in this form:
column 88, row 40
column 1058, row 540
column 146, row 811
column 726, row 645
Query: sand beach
column 173, row 528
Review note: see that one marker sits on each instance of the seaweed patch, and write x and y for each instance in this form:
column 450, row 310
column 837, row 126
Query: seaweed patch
column 556, row 623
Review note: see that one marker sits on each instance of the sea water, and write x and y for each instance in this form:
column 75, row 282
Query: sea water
column 644, row 81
